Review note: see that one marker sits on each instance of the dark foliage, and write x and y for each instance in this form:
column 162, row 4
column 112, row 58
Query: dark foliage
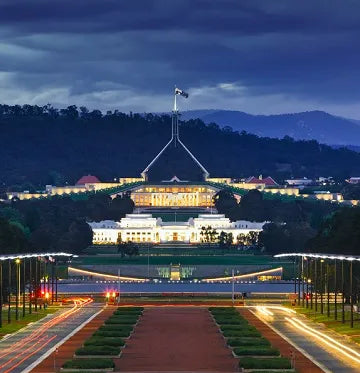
column 339, row 234
column 57, row 223
column 50, row 146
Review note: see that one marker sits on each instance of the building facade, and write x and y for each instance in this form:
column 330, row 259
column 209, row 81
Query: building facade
column 173, row 195
column 146, row 228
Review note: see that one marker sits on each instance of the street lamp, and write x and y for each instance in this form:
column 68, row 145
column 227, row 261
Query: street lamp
column 17, row 298
column 321, row 287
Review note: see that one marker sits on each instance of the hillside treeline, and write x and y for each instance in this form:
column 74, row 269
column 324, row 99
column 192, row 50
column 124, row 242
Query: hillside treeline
column 44, row 145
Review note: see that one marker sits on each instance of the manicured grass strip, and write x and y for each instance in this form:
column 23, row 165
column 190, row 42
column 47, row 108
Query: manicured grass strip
column 98, row 350
column 247, row 341
column 89, row 364
column 256, row 351
column 257, row 363
column 105, row 341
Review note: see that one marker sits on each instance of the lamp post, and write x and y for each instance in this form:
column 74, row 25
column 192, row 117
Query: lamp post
column 30, row 285
column 17, row 297
column 315, row 286
column 9, row 291
column 299, row 277
column 307, row 282
column 321, row 287
column 335, row 289
column 302, row 281
column 36, row 284
column 23, row 289
column 351, row 296
column 342, row 292
column 327, row 289
column 1, row 293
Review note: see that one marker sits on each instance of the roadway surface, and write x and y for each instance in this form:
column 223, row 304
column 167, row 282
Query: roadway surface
column 20, row 350
column 174, row 287
column 329, row 358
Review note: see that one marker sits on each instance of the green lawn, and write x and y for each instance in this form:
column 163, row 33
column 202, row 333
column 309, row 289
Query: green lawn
column 184, row 260
column 23, row 321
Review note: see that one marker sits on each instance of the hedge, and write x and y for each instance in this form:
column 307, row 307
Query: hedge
column 116, row 327
column 256, row 350
column 98, row 350
column 104, row 341
column 123, row 321
column 130, row 309
column 273, row 363
column 241, row 333
column 234, row 327
column 89, row 364
column 114, row 333
column 271, row 371
column 247, row 341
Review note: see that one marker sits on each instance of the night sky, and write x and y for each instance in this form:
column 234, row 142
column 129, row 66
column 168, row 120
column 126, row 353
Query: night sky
column 254, row 56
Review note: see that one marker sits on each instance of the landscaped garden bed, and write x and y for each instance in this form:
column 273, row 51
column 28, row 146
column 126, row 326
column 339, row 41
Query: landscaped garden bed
column 254, row 351
column 89, row 365
column 106, row 343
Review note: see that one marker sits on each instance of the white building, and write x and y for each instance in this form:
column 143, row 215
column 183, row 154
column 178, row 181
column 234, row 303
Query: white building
column 146, row 228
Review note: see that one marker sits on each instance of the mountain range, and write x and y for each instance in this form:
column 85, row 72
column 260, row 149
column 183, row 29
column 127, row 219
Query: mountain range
column 310, row 125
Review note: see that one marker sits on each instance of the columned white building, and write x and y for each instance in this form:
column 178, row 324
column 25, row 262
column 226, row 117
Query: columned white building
column 146, row 228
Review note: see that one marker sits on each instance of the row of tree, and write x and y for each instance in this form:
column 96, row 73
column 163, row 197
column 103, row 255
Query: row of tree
column 57, row 223
column 51, row 146
column 225, row 239
column 298, row 225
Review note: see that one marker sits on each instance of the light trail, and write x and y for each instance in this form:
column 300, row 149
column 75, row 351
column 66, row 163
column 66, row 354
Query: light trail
column 248, row 275
column 99, row 274
column 264, row 311
column 5, row 364
column 33, row 338
column 330, row 342
column 39, row 332
column 29, row 355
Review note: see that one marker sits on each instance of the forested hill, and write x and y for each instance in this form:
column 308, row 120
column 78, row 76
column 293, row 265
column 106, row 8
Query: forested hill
column 43, row 145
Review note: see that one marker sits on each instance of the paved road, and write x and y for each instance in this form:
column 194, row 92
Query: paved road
column 21, row 349
column 331, row 359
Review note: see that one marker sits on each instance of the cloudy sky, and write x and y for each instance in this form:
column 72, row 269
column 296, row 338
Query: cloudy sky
column 254, row 56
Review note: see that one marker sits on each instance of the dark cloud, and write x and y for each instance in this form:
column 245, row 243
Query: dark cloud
column 259, row 56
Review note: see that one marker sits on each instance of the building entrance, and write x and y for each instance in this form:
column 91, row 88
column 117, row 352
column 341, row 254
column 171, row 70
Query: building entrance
column 175, row 236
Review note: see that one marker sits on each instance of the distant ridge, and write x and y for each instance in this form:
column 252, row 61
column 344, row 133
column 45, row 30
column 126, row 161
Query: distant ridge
column 310, row 125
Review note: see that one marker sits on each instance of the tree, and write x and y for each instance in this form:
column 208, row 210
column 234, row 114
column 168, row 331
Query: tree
column 128, row 248
column 340, row 233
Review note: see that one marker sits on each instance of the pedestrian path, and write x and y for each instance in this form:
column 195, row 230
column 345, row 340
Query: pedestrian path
column 171, row 339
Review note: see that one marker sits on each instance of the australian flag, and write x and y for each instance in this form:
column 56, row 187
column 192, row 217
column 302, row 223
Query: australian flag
column 181, row 93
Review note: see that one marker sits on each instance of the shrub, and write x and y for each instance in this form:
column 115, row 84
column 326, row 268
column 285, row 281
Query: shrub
column 248, row 341
column 256, row 350
column 118, row 320
column 233, row 327
column 116, row 328
column 256, row 363
column 98, row 350
column 89, row 364
column 231, row 320
column 241, row 333
column 104, row 341
column 112, row 333
column 130, row 309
